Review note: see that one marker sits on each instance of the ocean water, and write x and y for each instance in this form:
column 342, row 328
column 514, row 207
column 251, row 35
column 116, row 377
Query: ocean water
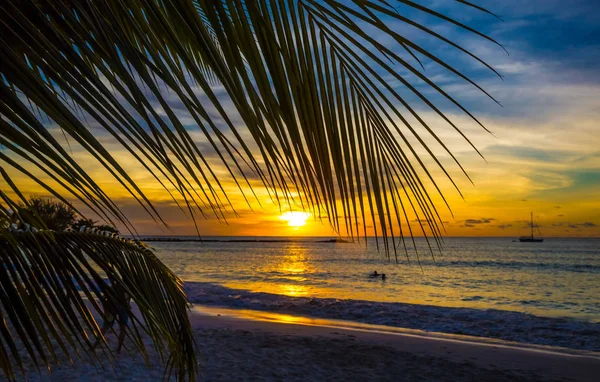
column 556, row 278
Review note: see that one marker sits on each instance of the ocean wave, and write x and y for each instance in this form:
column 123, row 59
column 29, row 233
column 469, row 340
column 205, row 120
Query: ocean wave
column 491, row 323
column 522, row 264
column 561, row 264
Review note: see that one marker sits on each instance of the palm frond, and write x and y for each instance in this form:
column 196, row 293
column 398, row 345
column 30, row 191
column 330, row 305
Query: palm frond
column 51, row 284
column 309, row 82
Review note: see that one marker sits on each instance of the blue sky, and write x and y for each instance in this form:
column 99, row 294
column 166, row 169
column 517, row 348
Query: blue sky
column 544, row 155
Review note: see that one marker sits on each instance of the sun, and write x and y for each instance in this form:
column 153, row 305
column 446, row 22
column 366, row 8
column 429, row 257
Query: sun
column 296, row 218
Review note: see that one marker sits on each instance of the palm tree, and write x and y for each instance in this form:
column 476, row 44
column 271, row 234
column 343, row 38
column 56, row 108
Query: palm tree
column 54, row 215
column 299, row 95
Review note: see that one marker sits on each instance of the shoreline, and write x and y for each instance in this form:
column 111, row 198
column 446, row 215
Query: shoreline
column 498, row 324
column 353, row 326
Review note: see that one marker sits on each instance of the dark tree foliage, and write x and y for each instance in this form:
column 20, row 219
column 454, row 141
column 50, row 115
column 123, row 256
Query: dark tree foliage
column 46, row 213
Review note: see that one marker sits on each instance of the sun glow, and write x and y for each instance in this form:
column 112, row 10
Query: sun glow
column 295, row 219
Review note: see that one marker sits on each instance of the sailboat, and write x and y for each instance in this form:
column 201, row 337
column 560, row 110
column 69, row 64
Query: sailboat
column 531, row 239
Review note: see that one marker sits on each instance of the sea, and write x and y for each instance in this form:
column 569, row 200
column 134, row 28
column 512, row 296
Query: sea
column 546, row 293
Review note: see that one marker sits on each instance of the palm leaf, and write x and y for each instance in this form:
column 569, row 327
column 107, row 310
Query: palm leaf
column 51, row 283
column 307, row 78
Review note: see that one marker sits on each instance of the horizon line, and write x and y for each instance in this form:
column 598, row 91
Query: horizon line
column 361, row 237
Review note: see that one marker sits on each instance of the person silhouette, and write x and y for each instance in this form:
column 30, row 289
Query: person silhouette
column 115, row 310
column 383, row 276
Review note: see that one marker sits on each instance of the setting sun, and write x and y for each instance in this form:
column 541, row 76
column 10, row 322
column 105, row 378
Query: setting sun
column 295, row 219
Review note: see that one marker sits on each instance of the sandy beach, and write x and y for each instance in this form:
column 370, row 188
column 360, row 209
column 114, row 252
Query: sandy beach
column 239, row 346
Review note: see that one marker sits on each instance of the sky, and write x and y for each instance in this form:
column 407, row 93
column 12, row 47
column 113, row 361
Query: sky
column 543, row 156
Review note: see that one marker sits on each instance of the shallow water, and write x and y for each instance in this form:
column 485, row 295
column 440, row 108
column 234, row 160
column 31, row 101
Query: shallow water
column 559, row 277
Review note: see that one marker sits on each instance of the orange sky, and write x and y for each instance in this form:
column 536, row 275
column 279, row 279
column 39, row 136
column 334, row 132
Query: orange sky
column 497, row 205
column 559, row 185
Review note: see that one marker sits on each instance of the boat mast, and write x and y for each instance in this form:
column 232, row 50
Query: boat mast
column 532, row 225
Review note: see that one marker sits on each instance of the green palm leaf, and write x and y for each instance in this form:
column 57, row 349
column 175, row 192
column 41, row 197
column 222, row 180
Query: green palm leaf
column 306, row 78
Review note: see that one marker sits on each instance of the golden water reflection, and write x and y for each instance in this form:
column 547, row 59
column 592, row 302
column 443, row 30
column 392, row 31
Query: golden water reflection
column 291, row 271
column 292, row 290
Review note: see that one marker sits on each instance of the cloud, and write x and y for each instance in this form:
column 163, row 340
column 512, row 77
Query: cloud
column 583, row 225
column 479, row 221
column 470, row 223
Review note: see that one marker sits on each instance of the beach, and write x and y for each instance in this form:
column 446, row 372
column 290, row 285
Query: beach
column 252, row 347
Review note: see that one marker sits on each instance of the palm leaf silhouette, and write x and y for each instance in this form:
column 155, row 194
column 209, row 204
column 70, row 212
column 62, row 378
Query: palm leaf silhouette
column 308, row 81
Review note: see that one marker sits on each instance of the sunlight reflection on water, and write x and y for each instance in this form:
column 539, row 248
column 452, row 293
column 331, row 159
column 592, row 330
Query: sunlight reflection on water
column 560, row 277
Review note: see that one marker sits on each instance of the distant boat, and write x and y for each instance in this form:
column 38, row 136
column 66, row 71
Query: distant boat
column 531, row 239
